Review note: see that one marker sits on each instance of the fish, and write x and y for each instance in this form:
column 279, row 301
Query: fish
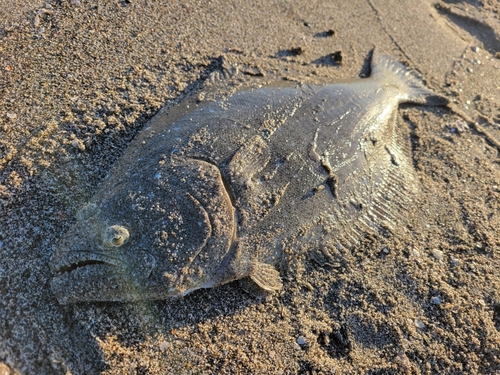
column 218, row 190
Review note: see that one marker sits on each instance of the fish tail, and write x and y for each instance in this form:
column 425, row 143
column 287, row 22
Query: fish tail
column 389, row 71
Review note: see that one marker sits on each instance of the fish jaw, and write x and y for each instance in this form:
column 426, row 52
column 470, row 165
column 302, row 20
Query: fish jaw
column 95, row 282
column 85, row 276
column 89, row 283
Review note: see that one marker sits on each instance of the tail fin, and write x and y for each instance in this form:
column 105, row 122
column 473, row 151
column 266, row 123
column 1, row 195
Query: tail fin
column 397, row 74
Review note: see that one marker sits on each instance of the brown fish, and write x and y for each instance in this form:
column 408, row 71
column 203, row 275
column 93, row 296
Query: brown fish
column 215, row 191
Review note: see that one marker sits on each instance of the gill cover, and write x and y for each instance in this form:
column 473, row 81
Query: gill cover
column 208, row 218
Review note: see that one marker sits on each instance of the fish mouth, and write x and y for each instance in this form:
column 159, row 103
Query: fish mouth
column 74, row 266
column 84, row 258
column 82, row 273
column 86, row 276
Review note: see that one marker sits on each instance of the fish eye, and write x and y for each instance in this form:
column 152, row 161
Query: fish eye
column 115, row 236
column 117, row 241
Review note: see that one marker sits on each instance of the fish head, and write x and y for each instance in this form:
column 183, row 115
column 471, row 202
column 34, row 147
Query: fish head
column 161, row 232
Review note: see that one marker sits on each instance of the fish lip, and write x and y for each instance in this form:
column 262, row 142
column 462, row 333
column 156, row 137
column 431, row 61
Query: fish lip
column 84, row 258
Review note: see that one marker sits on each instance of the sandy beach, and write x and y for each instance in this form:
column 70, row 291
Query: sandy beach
column 80, row 78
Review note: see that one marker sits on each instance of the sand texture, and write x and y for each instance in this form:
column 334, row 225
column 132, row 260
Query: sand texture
column 80, row 78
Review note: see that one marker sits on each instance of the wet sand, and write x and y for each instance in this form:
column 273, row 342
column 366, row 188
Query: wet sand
column 78, row 79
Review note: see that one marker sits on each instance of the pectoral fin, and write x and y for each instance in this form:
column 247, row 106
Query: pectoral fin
column 266, row 276
column 238, row 265
column 250, row 159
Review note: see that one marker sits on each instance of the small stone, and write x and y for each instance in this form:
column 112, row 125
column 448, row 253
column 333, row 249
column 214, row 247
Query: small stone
column 461, row 126
column 337, row 57
column 475, row 49
column 438, row 254
column 164, row 345
column 470, row 70
column 414, row 252
column 297, row 51
column 301, row 340
column 455, row 262
column 419, row 324
column 436, row 300
column 11, row 116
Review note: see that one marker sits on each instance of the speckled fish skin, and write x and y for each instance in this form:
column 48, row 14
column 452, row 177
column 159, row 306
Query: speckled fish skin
column 216, row 191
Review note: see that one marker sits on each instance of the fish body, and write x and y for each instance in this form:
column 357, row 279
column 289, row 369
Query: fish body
column 215, row 191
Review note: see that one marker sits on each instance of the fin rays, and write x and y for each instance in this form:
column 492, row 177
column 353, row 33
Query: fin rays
column 384, row 210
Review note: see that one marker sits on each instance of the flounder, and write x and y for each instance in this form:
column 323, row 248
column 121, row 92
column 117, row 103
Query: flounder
column 215, row 191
